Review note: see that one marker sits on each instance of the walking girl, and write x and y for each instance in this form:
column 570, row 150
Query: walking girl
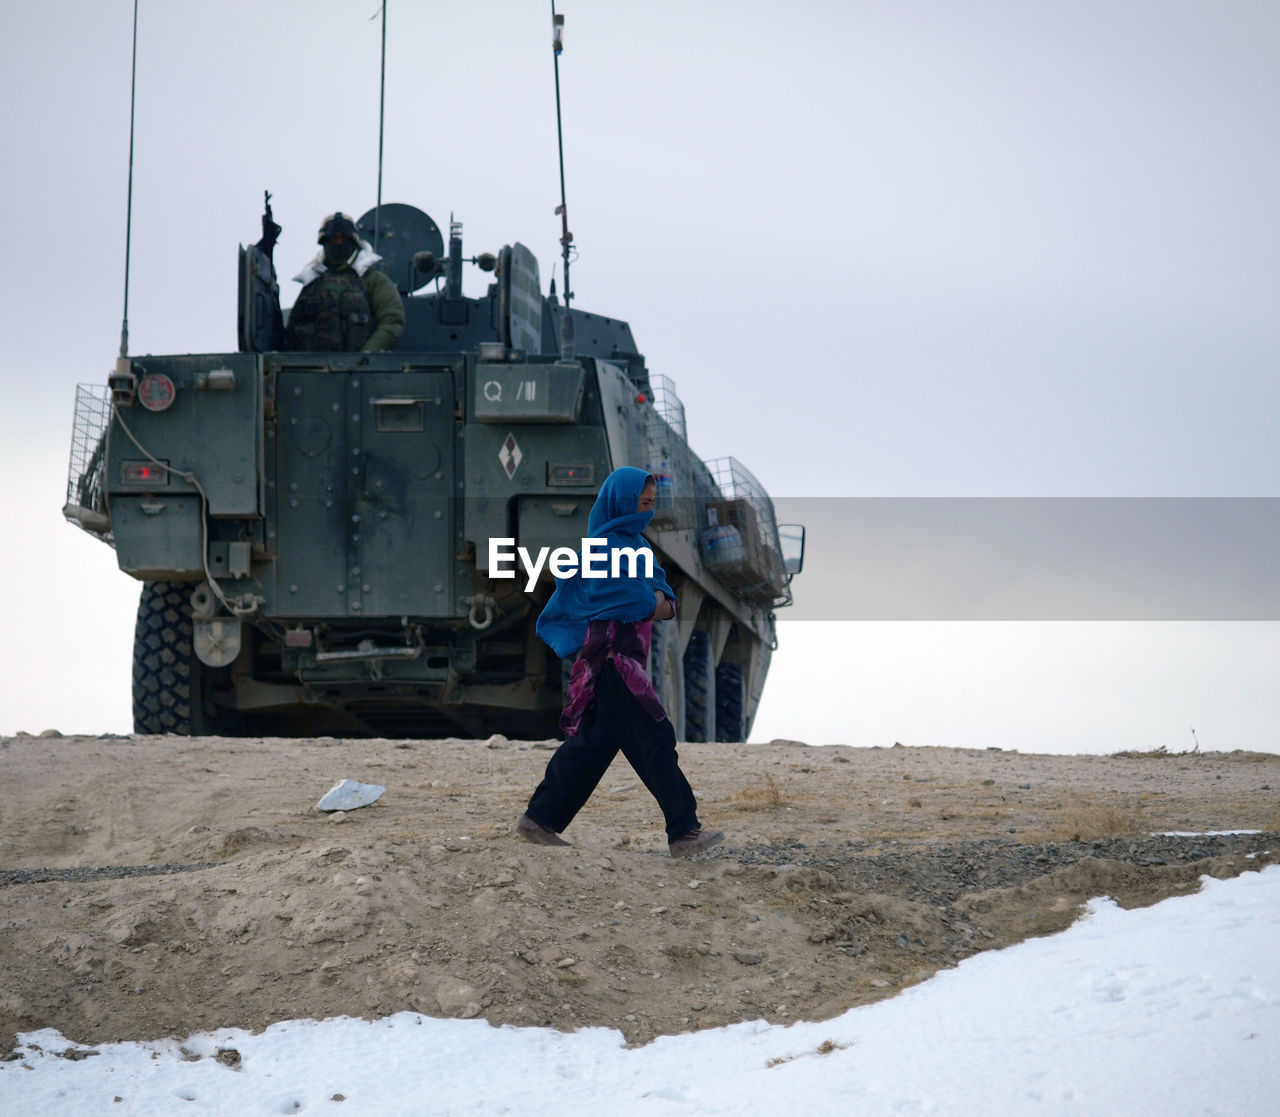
column 610, row 704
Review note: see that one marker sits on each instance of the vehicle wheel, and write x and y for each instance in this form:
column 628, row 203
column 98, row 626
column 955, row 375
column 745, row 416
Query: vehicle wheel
column 667, row 672
column 729, row 702
column 699, row 706
column 168, row 680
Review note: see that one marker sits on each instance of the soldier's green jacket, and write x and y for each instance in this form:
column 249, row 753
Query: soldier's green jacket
column 387, row 310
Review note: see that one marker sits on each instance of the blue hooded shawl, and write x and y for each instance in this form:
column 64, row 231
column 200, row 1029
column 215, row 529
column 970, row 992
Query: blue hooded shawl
column 578, row 601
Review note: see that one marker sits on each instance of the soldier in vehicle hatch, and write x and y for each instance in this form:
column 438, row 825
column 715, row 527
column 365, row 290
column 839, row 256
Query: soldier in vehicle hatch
column 346, row 304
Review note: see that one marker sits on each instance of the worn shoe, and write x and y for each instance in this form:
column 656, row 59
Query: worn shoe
column 695, row 842
column 538, row 834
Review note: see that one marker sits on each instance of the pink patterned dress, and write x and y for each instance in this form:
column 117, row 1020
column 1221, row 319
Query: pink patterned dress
column 627, row 644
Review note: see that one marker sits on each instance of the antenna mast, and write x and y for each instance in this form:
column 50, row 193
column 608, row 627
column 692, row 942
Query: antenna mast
column 128, row 221
column 566, row 237
column 382, row 114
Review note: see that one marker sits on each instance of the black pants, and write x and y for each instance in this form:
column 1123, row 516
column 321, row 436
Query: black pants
column 615, row 720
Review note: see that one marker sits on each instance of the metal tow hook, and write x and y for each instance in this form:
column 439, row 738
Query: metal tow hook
column 480, row 599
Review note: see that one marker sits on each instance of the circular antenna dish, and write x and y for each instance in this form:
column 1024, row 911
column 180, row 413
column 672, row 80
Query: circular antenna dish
column 403, row 231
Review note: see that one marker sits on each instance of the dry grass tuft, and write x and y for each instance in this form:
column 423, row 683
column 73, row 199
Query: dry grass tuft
column 1160, row 753
column 1163, row 753
column 1085, row 821
column 826, row 1047
column 762, row 794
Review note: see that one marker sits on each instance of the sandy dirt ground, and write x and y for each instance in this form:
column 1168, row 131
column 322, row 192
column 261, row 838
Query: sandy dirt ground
column 157, row 886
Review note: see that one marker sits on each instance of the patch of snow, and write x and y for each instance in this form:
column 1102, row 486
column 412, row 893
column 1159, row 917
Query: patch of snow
column 1162, row 1011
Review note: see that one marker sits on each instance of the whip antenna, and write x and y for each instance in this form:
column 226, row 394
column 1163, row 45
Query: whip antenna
column 566, row 237
column 128, row 220
column 382, row 115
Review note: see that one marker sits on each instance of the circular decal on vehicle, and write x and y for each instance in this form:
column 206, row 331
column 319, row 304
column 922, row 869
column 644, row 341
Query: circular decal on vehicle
column 156, row 392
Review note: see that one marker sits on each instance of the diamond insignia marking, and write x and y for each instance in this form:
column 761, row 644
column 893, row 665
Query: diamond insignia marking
column 510, row 456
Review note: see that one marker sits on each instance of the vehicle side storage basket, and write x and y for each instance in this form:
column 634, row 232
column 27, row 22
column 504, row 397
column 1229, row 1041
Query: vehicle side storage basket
column 668, row 457
column 86, row 504
column 739, row 536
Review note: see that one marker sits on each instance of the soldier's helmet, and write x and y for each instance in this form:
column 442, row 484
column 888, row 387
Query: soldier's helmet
column 337, row 224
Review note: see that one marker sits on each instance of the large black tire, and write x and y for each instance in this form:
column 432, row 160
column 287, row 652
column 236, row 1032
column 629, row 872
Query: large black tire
column 699, row 705
column 730, row 702
column 168, row 680
column 666, row 669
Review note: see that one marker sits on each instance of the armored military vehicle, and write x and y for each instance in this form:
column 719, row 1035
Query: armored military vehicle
column 315, row 531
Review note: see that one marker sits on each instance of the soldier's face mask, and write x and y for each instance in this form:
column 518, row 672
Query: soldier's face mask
column 338, row 250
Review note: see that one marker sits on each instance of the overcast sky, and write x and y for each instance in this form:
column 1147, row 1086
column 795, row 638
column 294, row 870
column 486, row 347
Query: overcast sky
column 884, row 249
